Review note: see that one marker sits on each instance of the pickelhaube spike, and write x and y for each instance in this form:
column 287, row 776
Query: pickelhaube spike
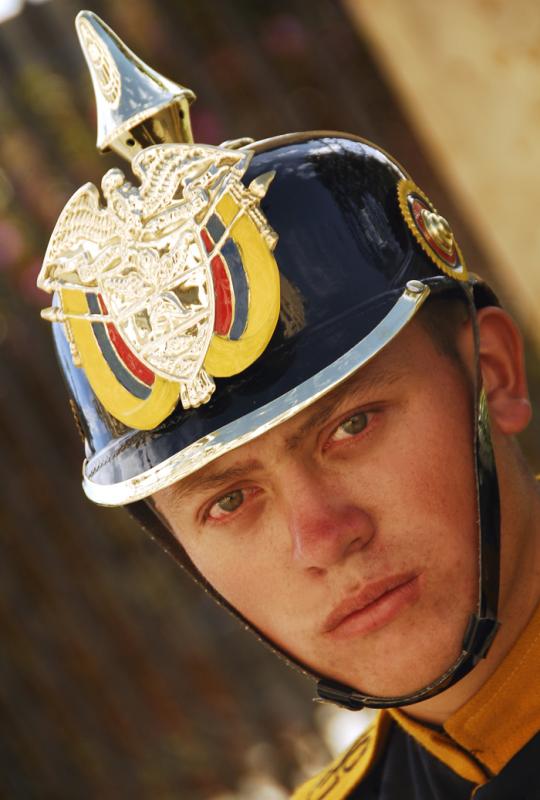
column 136, row 106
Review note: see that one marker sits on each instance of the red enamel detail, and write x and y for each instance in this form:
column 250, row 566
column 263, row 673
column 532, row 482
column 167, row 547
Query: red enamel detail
column 222, row 289
column 127, row 357
column 417, row 207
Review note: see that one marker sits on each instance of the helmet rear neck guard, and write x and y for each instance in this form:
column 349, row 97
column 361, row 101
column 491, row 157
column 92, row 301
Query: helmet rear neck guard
column 231, row 289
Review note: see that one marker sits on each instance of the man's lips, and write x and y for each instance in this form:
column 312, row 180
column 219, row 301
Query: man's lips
column 376, row 605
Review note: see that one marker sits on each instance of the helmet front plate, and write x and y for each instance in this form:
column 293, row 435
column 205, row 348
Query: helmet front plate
column 157, row 287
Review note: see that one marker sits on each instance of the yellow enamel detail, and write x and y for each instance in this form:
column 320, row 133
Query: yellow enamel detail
column 121, row 404
column 227, row 357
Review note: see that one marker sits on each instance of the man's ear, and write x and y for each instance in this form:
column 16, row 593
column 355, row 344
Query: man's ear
column 503, row 370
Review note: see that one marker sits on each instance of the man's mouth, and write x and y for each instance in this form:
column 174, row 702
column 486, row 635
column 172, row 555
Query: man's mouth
column 377, row 604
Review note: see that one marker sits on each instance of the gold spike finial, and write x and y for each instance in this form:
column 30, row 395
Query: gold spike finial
column 136, row 106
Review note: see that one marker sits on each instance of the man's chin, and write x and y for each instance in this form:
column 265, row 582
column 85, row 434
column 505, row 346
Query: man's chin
column 401, row 676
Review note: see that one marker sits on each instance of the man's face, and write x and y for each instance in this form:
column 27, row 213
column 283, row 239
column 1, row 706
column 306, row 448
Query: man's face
column 347, row 535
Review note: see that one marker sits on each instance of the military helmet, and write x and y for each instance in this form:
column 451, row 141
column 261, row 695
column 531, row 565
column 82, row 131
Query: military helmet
column 230, row 287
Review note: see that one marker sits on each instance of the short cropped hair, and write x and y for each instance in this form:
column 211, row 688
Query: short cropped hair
column 442, row 317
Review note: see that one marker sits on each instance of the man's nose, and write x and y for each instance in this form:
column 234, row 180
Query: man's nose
column 325, row 523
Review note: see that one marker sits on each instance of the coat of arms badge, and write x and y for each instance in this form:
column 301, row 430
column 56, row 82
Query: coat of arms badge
column 166, row 285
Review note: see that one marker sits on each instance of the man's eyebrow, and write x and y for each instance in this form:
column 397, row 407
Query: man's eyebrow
column 365, row 383
column 201, row 483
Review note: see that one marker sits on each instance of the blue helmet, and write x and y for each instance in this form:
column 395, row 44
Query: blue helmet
column 230, row 288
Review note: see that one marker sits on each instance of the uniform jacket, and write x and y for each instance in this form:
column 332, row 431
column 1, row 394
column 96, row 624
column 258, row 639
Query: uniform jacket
column 488, row 750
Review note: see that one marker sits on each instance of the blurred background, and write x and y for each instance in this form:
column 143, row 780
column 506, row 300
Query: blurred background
column 118, row 677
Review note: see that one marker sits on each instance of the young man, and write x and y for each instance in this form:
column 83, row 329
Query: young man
column 282, row 365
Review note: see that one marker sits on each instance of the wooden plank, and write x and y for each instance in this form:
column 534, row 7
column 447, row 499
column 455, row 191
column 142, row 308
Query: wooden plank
column 467, row 73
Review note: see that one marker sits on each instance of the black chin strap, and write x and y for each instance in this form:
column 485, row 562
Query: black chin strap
column 482, row 625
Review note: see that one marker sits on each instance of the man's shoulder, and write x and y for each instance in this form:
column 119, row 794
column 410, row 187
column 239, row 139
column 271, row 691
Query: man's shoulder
column 337, row 780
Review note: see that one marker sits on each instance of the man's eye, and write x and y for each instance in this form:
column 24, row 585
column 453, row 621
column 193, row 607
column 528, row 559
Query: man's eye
column 351, row 426
column 227, row 504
